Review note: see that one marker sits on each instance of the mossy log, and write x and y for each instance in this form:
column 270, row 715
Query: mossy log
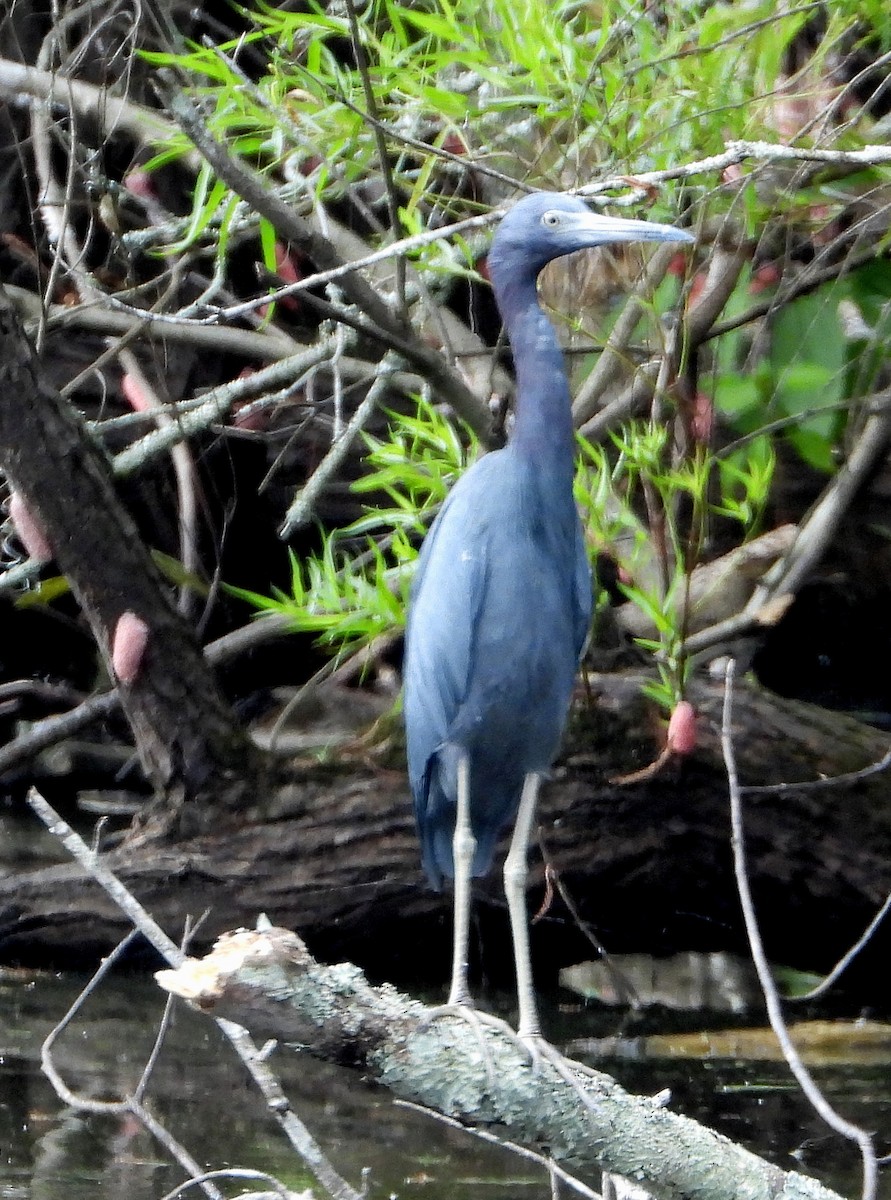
column 267, row 982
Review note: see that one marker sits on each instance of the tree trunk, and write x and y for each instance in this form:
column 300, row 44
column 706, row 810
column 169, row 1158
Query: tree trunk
column 193, row 750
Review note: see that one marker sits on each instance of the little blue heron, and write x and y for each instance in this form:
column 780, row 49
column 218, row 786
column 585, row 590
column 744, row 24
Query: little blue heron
column 501, row 603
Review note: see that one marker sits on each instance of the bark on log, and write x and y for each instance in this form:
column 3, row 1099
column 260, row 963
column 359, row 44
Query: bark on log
column 203, row 765
column 647, row 864
column 268, row 982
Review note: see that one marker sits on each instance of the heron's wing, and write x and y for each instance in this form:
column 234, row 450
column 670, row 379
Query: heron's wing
column 447, row 594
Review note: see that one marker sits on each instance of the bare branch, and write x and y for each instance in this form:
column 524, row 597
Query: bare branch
column 394, row 332
column 110, row 112
column 381, row 142
column 774, row 1008
column 300, row 510
column 814, row 536
column 845, row 961
column 610, row 361
column 298, row 1135
column 736, row 152
column 130, row 1104
column 521, row 1151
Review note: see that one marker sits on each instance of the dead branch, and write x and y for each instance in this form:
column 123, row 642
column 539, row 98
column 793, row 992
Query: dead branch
column 382, row 322
column 803, row 1076
column 253, row 1059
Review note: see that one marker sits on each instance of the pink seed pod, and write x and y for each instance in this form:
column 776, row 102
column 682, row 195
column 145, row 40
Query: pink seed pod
column 682, row 729
column 30, row 532
column 128, row 646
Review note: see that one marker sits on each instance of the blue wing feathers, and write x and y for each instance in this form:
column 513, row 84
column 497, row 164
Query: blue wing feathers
column 481, row 678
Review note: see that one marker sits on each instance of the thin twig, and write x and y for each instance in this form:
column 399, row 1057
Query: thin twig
column 810, row 279
column 466, row 162
column 847, row 958
column 522, row 1151
column 195, row 416
column 53, row 729
column 734, row 153
column 270, row 345
column 92, row 863
column 130, row 1104
column 395, row 333
column 771, row 996
column 147, row 124
column 723, row 273
column 611, row 357
column 382, row 151
column 301, row 508
column 184, row 475
column 392, row 250
column 42, row 690
column 826, row 781
column 298, row 1135
column 96, row 103
column 791, row 571
column 54, row 201
column 246, row 1173
column 625, row 989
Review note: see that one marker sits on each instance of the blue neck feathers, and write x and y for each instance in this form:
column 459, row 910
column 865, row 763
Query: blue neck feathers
column 543, row 417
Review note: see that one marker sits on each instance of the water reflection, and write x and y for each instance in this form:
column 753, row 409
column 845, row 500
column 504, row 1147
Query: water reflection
column 201, row 1092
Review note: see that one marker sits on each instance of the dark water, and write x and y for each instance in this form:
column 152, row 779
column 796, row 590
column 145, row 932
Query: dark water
column 49, row 1152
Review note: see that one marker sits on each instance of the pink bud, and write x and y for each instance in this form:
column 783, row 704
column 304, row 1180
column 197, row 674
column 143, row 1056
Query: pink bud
column 702, row 423
column 285, row 266
column 30, row 532
column 766, row 276
column 128, row 646
column 288, row 270
column 454, row 143
column 697, row 288
column 140, row 183
column 682, row 729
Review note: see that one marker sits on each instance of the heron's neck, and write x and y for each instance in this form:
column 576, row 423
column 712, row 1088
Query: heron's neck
column 543, row 417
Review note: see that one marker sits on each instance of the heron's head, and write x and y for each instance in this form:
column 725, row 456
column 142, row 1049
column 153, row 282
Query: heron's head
column 547, row 225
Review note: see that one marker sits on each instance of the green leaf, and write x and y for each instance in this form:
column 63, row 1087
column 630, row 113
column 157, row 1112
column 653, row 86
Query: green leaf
column 44, row 592
column 794, row 983
column 174, row 572
column 809, row 358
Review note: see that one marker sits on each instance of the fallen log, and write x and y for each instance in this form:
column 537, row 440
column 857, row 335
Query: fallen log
column 647, row 864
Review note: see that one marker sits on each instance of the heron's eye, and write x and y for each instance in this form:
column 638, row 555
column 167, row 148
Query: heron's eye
column 551, row 219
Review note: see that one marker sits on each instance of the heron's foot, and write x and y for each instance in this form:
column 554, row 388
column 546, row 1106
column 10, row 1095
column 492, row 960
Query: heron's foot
column 478, row 1021
column 573, row 1073
column 465, row 1010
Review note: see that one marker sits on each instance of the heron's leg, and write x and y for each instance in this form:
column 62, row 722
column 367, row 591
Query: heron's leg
column 516, row 871
column 463, row 850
